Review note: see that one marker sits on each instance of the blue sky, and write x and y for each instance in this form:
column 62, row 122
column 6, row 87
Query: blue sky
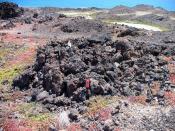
column 167, row 4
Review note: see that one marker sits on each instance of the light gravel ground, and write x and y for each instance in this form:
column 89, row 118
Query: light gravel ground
column 172, row 18
column 142, row 13
column 140, row 26
column 86, row 14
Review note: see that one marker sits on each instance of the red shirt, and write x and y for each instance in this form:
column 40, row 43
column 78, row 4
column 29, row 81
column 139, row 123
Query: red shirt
column 88, row 82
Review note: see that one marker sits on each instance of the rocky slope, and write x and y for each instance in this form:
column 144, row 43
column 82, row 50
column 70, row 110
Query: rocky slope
column 64, row 73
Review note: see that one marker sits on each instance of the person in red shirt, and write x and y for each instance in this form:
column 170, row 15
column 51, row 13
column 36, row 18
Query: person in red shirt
column 88, row 88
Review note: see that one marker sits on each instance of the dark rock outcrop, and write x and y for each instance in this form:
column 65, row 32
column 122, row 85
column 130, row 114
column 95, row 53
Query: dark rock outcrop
column 9, row 10
column 114, row 68
column 80, row 24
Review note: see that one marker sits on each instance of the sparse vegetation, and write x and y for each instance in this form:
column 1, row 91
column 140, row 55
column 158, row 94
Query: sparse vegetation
column 93, row 15
column 97, row 104
column 18, row 61
column 27, row 110
column 29, row 120
column 3, row 53
column 9, row 73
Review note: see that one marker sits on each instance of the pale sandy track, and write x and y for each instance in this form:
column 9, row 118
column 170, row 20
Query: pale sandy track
column 140, row 26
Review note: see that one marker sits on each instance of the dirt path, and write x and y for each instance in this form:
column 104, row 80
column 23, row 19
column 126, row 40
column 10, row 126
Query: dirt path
column 140, row 26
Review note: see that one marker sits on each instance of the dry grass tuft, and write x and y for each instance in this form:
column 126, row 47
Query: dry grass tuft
column 96, row 104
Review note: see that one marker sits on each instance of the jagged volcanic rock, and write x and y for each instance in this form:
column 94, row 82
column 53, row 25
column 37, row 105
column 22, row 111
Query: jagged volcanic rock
column 80, row 24
column 122, row 67
column 9, row 10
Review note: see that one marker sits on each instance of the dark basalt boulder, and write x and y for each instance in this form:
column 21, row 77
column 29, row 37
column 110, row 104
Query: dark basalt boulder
column 100, row 38
column 128, row 32
column 9, row 10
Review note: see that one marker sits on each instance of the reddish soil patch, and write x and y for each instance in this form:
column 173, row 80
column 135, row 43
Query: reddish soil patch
column 172, row 78
column 31, row 43
column 170, row 98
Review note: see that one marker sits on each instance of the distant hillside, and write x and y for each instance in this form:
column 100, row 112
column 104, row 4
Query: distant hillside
column 121, row 9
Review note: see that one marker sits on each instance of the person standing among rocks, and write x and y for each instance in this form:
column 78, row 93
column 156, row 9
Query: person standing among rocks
column 88, row 88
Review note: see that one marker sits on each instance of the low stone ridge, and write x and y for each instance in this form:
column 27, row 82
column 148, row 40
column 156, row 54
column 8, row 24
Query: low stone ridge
column 80, row 24
column 121, row 68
